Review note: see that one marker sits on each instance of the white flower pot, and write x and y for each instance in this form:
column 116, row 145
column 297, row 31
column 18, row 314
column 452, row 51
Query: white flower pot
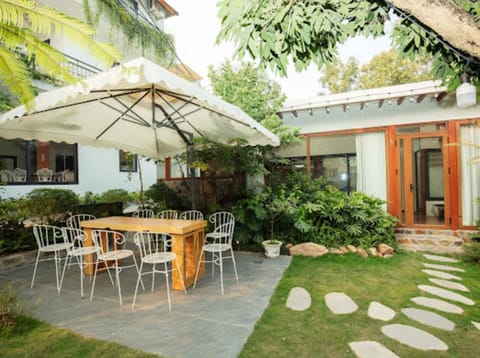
column 272, row 248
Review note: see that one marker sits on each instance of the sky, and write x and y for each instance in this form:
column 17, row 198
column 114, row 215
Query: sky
column 195, row 30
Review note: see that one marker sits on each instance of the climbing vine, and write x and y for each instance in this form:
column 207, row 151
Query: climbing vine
column 135, row 29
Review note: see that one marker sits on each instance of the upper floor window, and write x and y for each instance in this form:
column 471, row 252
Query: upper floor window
column 128, row 161
column 36, row 162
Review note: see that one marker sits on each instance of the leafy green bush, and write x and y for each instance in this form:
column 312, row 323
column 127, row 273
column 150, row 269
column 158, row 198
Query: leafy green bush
column 471, row 252
column 14, row 236
column 10, row 307
column 51, row 205
column 116, row 195
column 303, row 210
column 163, row 197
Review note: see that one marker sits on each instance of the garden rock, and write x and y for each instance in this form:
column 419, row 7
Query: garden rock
column 429, row 318
column 476, row 324
column 440, row 258
column 308, row 249
column 371, row 349
column 384, row 249
column 441, row 274
column 378, row 311
column 373, row 251
column 335, row 251
column 344, row 250
column 298, row 299
column 340, row 303
column 437, row 304
column 362, row 253
column 449, row 284
column 440, row 292
column 352, row 248
column 414, row 337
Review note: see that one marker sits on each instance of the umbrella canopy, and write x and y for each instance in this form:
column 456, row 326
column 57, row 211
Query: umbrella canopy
column 138, row 107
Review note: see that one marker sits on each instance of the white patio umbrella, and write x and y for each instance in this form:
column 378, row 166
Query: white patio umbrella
column 138, row 107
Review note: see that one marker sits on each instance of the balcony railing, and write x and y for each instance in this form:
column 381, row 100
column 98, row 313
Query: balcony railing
column 80, row 68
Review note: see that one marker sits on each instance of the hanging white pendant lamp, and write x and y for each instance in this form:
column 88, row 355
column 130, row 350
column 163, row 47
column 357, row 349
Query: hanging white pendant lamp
column 466, row 93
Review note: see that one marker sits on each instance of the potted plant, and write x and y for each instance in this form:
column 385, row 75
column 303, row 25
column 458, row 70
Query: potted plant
column 277, row 206
column 272, row 248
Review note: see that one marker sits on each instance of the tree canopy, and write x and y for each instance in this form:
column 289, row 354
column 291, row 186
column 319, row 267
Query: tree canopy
column 385, row 69
column 309, row 31
column 24, row 26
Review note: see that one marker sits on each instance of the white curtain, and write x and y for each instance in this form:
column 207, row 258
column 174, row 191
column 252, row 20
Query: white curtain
column 470, row 134
column 371, row 164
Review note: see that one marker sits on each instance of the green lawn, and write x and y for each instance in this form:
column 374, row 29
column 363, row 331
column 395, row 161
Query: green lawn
column 317, row 332
column 32, row 338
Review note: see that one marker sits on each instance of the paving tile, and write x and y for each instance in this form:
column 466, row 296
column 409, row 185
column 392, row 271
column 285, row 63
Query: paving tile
column 429, row 318
column 449, row 284
column 442, row 274
column 440, row 258
column 376, row 310
column 442, row 267
column 371, row 349
column 437, row 304
column 299, row 299
column 414, row 337
column 340, row 303
column 437, row 291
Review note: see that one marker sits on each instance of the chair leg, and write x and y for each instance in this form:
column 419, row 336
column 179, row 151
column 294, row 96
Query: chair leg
column 168, row 287
column 57, row 274
column 94, row 279
column 198, row 268
column 136, row 287
column 181, row 276
column 153, row 277
column 221, row 271
column 234, row 264
column 35, row 269
column 117, row 279
column 63, row 273
column 80, row 266
column 136, row 267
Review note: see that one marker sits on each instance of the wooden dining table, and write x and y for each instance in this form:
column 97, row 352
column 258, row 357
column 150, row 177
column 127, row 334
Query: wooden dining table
column 188, row 237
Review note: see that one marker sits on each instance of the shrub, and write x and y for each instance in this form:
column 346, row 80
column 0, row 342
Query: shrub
column 114, row 195
column 164, row 197
column 10, row 307
column 471, row 253
column 14, row 236
column 51, row 205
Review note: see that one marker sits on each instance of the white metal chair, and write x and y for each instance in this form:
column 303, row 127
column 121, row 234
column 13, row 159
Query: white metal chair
column 50, row 240
column 44, row 174
column 191, row 215
column 74, row 220
column 19, row 175
column 77, row 250
column 217, row 243
column 155, row 250
column 112, row 255
column 167, row 214
column 143, row 213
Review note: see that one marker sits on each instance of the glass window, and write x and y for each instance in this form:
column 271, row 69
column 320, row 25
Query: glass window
column 21, row 162
column 128, row 161
column 339, row 170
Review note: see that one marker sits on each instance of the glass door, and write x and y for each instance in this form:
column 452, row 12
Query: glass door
column 422, row 180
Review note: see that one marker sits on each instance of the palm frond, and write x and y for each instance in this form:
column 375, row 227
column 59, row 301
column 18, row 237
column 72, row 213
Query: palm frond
column 15, row 76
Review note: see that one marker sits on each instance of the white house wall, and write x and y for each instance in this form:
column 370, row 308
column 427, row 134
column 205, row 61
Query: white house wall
column 98, row 172
column 429, row 110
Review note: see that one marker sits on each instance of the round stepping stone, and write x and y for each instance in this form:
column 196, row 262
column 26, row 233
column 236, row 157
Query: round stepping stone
column 437, row 304
column 371, row 349
column 449, row 284
column 440, row 258
column 476, row 324
column 298, row 299
column 440, row 292
column 378, row 311
column 414, row 337
column 443, row 267
column 429, row 318
column 441, row 274
column 340, row 303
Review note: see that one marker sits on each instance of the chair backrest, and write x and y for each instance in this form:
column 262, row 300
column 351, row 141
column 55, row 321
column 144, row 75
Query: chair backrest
column 19, row 174
column 47, row 235
column 74, row 220
column 220, row 218
column 167, row 214
column 74, row 236
column 149, row 243
column 223, row 234
column 108, row 240
column 191, row 215
column 44, row 174
column 143, row 213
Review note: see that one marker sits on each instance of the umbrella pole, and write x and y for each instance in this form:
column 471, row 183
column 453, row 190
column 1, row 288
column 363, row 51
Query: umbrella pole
column 190, row 157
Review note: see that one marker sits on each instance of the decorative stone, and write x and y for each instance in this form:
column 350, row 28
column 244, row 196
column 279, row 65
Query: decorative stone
column 352, row 248
column 440, row 292
column 289, row 245
column 298, row 299
column 340, row 303
column 344, row 250
column 362, row 253
column 443, row 267
column 373, row 251
column 449, row 284
column 334, row 250
column 441, row 274
column 476, row 324
column 384, row 249
column 429, row 318
column 414, row 337
column 387, row 256
column 378, row 311
column 308, row 249
column 437, row 304
column 440, row 258
column 371, row 349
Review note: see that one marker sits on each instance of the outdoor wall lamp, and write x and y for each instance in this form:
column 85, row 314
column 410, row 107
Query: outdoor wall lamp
column 466, row 93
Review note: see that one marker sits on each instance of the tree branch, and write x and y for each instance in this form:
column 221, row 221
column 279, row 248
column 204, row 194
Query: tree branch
column 453, row 24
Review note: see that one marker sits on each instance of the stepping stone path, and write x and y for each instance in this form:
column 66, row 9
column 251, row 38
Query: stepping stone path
column 340, row 303
column 437, row 304
column 371, row 349
column 476, row 324
column 443, row 267
column 429, row 318
column 446, row 294
column 298, row 299
column 440, row 258
column 414, row 337
column 449, row 284
column 441, row 274
column 378, row 311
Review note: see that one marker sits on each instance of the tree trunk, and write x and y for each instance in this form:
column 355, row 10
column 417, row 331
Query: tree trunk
column 453, row 24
